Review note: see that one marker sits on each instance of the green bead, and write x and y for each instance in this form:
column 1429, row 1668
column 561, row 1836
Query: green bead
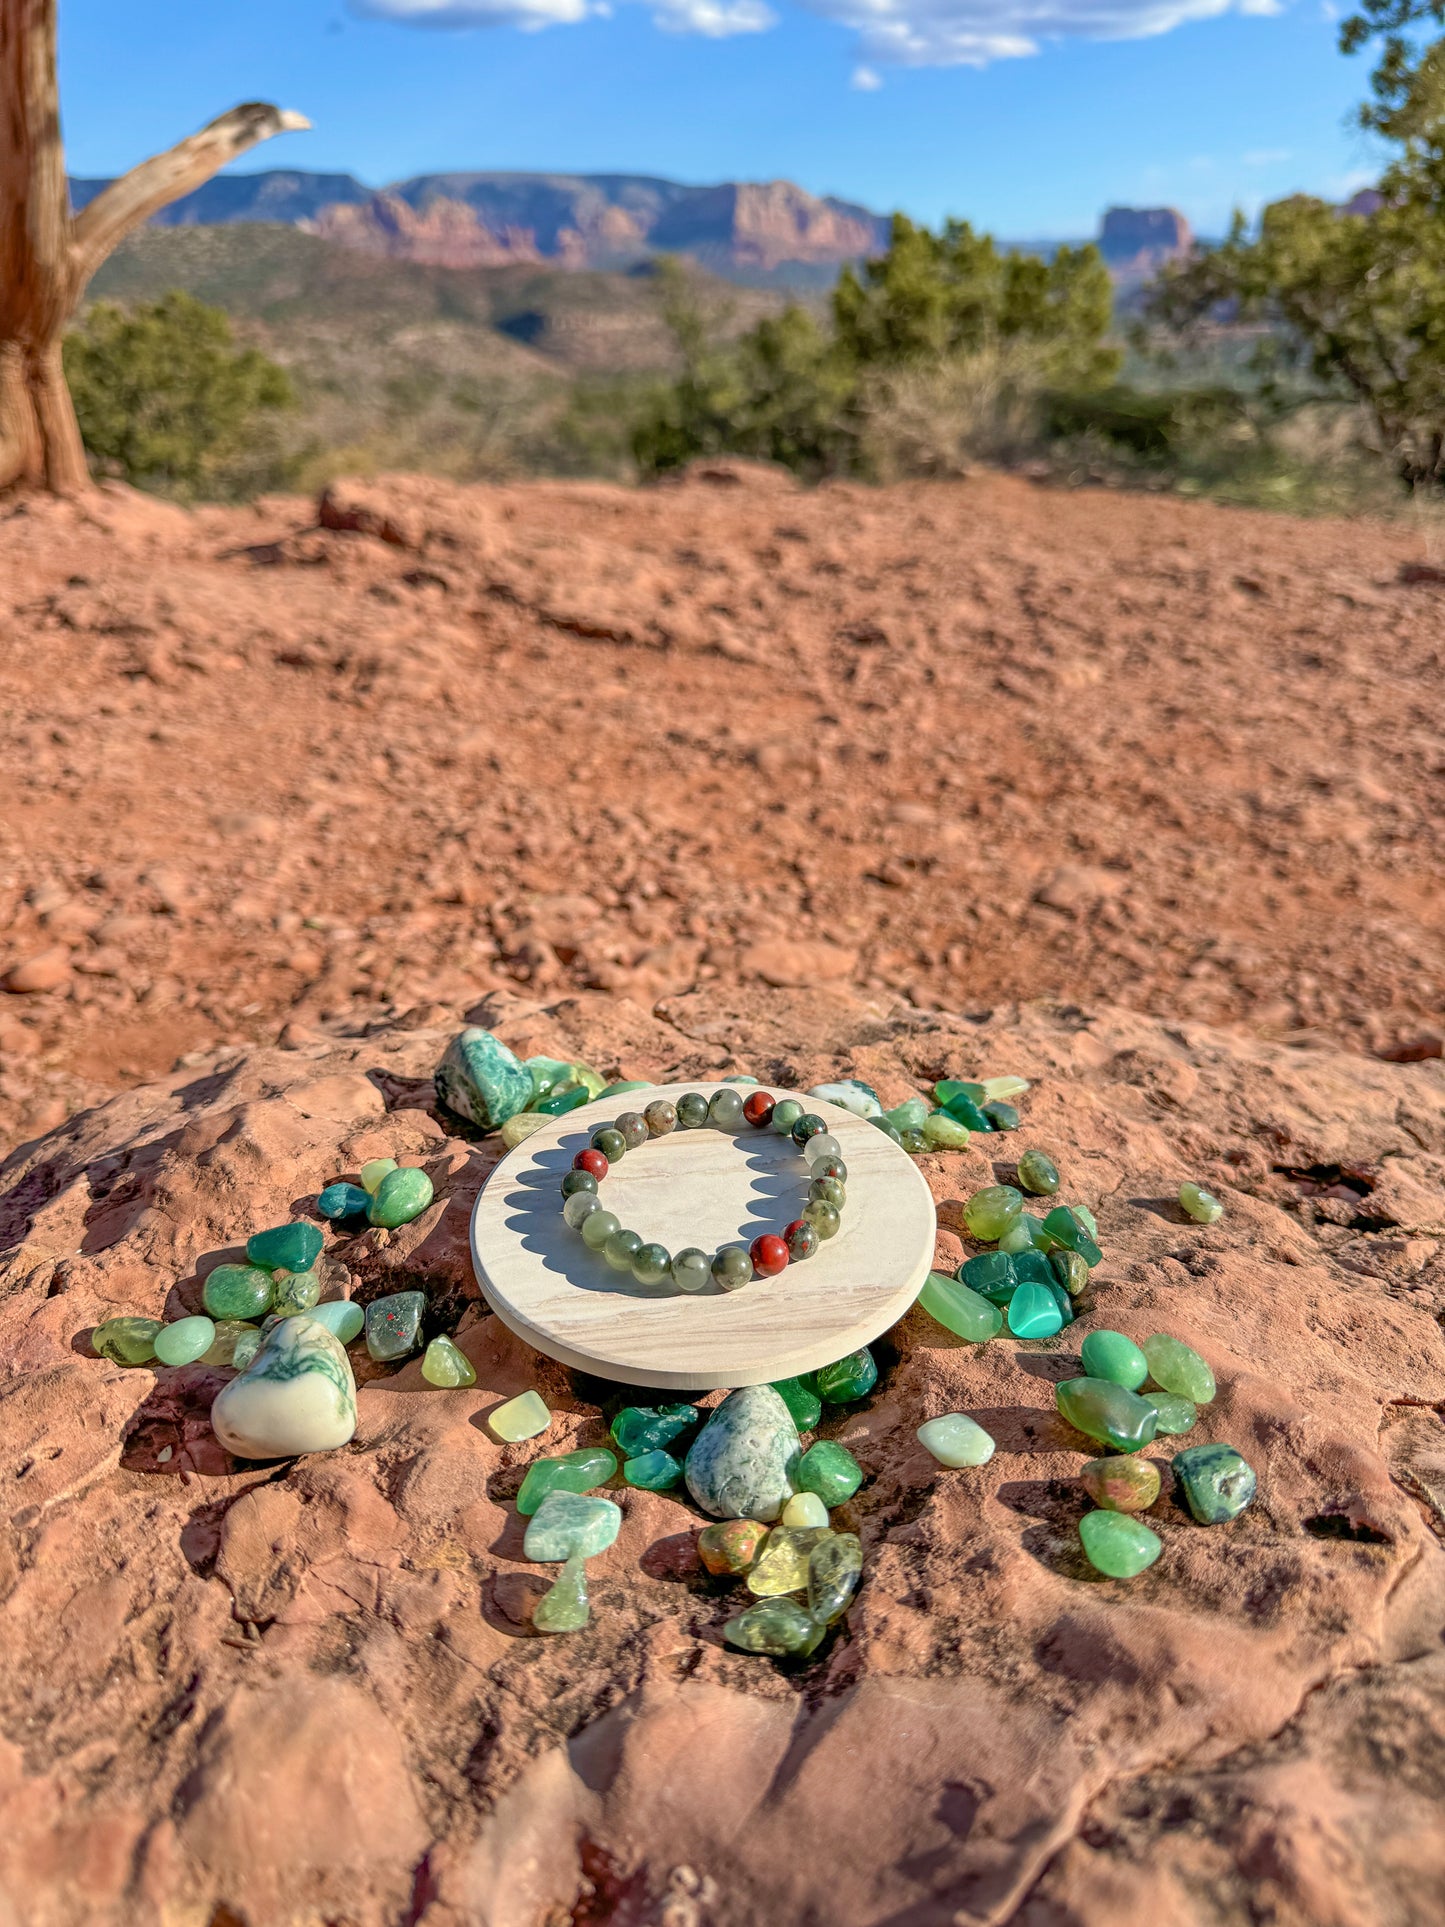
column 294, row 1291
column 656, row 1471
column 830, row 1470
column 372, row 1173
column 779, row 1627
column 579, row 1206
column 1176, row 1415
column 1003, row 1117
column 598, row 1227
column 651, row 1264
column 565, row 1607
column 785, row 1116
column 1118, row 1546
column 692, row 1110
column 648, row 1428
column 444, row 1363
column 848, row 1378
column 835, row 1566
column 289, row 1247
column 1102, row 1410
column 1038, row 1174
column 801, row 1400
column 341, row 1317
column 823, row 1217
column 183, row 1342
column 1122, row 1484
column 990, row 1212
column 231, row 1333
column 1065, row 1229
column 732, row 1267
column 1026, row 1233
column 567, row 1097
column 633, row 1126
column 127, row 1341
column 575, row 1181
column 565, row 1524
column 237, row 1291
column 579, row 1471
column 621, row 1248
column 1071, row 1270
column 393, row 1324
column 1033, row 1313
column 1216, row 1482
column 829, row 1191
column 908, row 1117
column 807, row 1126
column 691, row 1268
column 965, row 1313
column 1199, row 1204
column 1113, row 1356
column 1176, row 1367
column 725, row 1109
column 660, row 1117
column 801, row 1239
column 944, row 1132
column 610, row 1142
column 956, row 1440
column 991, row 1274
column 966, row 1111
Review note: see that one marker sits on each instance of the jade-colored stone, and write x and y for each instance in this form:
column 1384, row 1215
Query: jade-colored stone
column 990, row 1212
column 1199, row 1204
column 730, row 1547
column 297, row 1395
column 725, row 1108
column 732, row 1267
column 623, row 1084
column 779, row 1627
column 1121, row 1484
column 340, row 1201
column 1111, row 1355
column 1215, row 1481
column 909, row 1116
column 1033, row 1312
column 372, row 1173
column 651, row 1264
column 829, row 1190
column 692, row 1111
column 783, row 1563
column 914, row 1143
column 523, row 1417
column 598, row 1227
column 804, row 1509
column 848, row 1378
column 1025, row 1234
column 400, row 1197
column 565, row 1606
column 835, row 1566
column 580, row 1471
column 691, row 1268
column 518, row 1129
column 1065, row 1229
column 1177, row 1367
column 1033, row 1268
column 127, row 1341
column 655, row 1471
column 547, row 1074
column 231, row 1333
column 801, row 1400
column 247, row 1348
column 1001, row 1116
column 445, row 1363
column 955, row 1439
column 341, row 1317
column 567, row 1523
column 991, row 1274
column 237, row 1291
column 650, row 1428
column 830, row 1470
column 824, row 1217
column 944, row 1132
column 481, row 1080
column 393, row 1324
column 1087, row 1219
column 567, row 1097
column 1071, row 1271
column 740, row 1464
column 963, row 1312
column 950, row 1087
column 621, row 1249
column 610, row 1142
column 1062, row 1299
column 185, row 1341
column 1003, row 1090
column 285, row 1247
column 1038, row 1174
column 850, row 1094
column 1102, row 1410
column 966, row 1110
column 881, row 1123
column 294, row 1291
column 1176, row 1415
column 1118, row 1546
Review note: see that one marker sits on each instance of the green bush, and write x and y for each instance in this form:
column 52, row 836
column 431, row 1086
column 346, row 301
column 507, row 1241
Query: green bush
column 168, row 402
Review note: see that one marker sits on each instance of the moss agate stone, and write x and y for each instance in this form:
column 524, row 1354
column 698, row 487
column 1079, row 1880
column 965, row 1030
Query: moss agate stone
column 943, row 1132
column 127, row 1341
column 990, row 1212
column 1107, row 1412
column 835, row 1566
column 1176, row 1415
column 1111, row 1355
column 185, row 1341
column 1122, row 1484
column 1118, row 1546
column 848, row 1378
column 779, row 1627
column 783, row 1563
column 1215, row 1481
column 393, row 1324
column 296, row 1395
column 567, row 1524
column 649, row 1428
column 523, row 1417
column 481, row 1080
column 729, row 1549
column 829, row 1470
column 444, row 1363
column 580, row 1471
column 285, row 1247
column 801, row 1400
column 565, row 1606
column 1067, row 1230
column 655, row 1471
column 237, row 1291
column 741, row 1462
column 963, row 1312
column 1199, row 1204
column 1071, row 1271
column 343, row 1319
column 1177, row 1367
column 1038, row 1174
column 692, row 1111
column 400, row 1197
column 340, row 1201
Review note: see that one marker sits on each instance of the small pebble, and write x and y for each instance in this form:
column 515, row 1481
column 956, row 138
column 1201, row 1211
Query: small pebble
column 523, row 1417
column 654, row 1471
column 955, row 1440
column 830, row 1471
column 233, row 1292
column 343, row 1319
column 1199, row 1204
column 565, row 1606
column 393, row 1324
column 1177, row 1367
column 780, row 1627
column 1123, row 1484
column 400, row 1197
column 340, row 1201
column 1111, row 1355
column 990, row 1212
column 290, row 1247
column 567, row 1523
column 127, row 1341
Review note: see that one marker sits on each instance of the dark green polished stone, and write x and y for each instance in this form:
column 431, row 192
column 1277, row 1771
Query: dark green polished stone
column 650, row 1428
column 801, row 1400
column 848, row 1378
column 292, row 1247
column 1215, row 1481
column 991, row 1274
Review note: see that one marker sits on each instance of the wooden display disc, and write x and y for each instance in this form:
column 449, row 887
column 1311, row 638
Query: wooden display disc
column 704, row 1188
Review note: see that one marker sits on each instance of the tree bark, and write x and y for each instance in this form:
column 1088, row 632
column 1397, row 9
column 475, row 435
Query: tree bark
column 47, row 257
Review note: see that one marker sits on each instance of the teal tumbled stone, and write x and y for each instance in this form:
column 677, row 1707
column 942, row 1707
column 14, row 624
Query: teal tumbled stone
column 401, row 1196
column 656, row 1471
column 1111, row 1355
column 1105, row 1411
column 1033, row 1312
column 285, row 1247
column 237, row 1291
column 566, row 1523
column 481, row 1080
column 1062, row 1299
column 848, row 1378
column 648, row 1428
column 185, row 1341
column 393, row 1324
column 1118, row 1545
column 830, row 1470
column 1067, row 1230
column 1033, row 1268
column 960, row 1310
column 964, row 1108
column 341, row 1200
column 557, row 1103
column 801, row 1400
column 580, row 1471
column 1215, row 1481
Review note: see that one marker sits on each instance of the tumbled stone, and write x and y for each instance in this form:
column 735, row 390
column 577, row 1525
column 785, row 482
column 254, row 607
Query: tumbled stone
column 1002, row 1117
column 341, row 1317
column 620, row 1087
column 804, row 1509
column 183, row 1342
column 730, row 1547
column 232, row 1333
column 848, row 1378
column 565, row 1606
column 580, row 1471
column 567, row 1523
column 1118, row 1546
column 990, row 1212
column 1033, row 1312
column 127, row 1341
column 1177, row 1367
column 954, row 1439
column 294, row 1291
column 372, row 1173
column 780, row 1627
column 783, row 1563
column 834, row 1568
column 943, row 1132
column 393, row 1324
column 1122, row 1484
column 520, row 1127
column 850, row 1094
column 801, row 1400
column 1102, row 1410
column 964, row 1108
column 400, row 1197
column 654, row 1471
column 523, row 1417
column 1176, row 1415
column 237, row 1291
column 959, row 1310
column 650, row 1428
column 1071, row 1271
column 830, row 1470
column 909, row 1116
column 1025, row 1234
column 566, row 1097
column 1063, row 1301
column 991, row 1274
column 1111, row 1355
column 1065, row 1228
column 1215, row 1481
column 1033, row 1268
column 288, row 1247
column 741, row 1462
column 1199, row 1204
column 296, row 1395
column 950, row 1087
column 341, row 1200
column 481, row 1080
column 445, row 1363
column 1038, row 1174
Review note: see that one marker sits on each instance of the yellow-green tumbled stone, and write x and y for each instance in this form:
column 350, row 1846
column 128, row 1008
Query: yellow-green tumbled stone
column 834, row 1569
column 518, row 1129
column 127, row 1341
column 565, row 1607
column 523, row 1417
column 1118, row 1546
column 230, row 1333
column 990, row 1212
column 294, row 1291
column 780, row 1627
column 372, row 1173
column 783, row 1564
column 805, row 1509
column 1199, row 1204
column 444, row 1363
column 1177, row 1367
column 945, row 1133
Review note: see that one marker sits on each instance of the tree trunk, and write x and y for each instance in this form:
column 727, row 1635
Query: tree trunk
column 47, row 258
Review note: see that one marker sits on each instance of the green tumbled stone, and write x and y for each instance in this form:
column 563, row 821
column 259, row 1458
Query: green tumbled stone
column 566, row 1523
column 565, row 1606
column 1062, row 1299
column 1199, row 1204
column 958, row 1309
column 232, row 1334
column 1003, row 1117
column 966, row 1110
column 991, row 1274
column 288, row 1247
column 648, row 1428
column 520, row 1127
column 445, row 1363
column 881, row 1123
column 801, row 1400
column 1216, row 1482
column 990, row 1212
column 1034, row 1313
column 830, row 1470
column 342, row 1200
column 480, row 1079
column 341, row 1317
column 1113, row 1356
column 1025, row 1234
column 783, row 1563
column 1033, row 1268
column 1071, row 1271
column 400, row 1197
column 237, row 1291
column 185, row 1341
column 848, row 1378
column 1102, row 1410
column 955, row 1439
column 950, row 1087
column 567, row 1097
column 1177, row 1367
column 914, row 1143
column 579, row 1471
column 779, row 1627
column 1122, row 1484
column 548, row 1074
column 835, row 1566
column 850, row 1094
column 1087, row 1219
column 656, row 1471
column 622, row 1086
column 944, row 1132
column 1118, row 1546
column 294, row 1291
column 911, row 1116
column 1176, row 1415
column 393, row 1324
column 127, row 1341
column 1038, row 1174
column 1065, row 1229
column 731, row 1547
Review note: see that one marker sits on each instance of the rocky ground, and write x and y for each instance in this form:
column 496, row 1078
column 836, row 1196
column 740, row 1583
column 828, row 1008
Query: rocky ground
column 722, row 777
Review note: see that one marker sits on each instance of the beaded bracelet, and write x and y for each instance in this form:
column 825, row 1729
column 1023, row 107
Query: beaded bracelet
column 733, row 1265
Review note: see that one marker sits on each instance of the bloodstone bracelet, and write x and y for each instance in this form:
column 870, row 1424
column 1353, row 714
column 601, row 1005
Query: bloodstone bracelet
column 733, row 1265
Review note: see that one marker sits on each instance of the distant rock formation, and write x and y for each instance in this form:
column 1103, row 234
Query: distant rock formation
column 1139, row 240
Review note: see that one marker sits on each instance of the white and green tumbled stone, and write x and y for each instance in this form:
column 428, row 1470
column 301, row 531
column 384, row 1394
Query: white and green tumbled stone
column 481, row 1080
column 740, row 1464
column 297, row 1395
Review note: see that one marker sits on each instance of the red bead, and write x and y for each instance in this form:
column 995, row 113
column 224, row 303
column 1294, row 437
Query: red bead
column 769, row 1254
column 758, row 1109
column 592, row 1161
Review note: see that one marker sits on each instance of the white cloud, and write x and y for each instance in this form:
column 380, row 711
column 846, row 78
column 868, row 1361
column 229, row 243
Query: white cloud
column 865, row 80
column 715, row 19
column 527, row 14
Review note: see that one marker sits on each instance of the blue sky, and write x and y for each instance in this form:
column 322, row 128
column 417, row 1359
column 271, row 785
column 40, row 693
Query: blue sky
column 934, row 106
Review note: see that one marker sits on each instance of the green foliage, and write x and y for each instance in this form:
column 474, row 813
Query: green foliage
column 167, row 401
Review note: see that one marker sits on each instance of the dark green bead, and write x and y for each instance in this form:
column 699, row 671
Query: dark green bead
column 621, row 1248
column 801, row 1400
column 1215, row 1481
column 1102, row 1410
column 649, row 1428
column 830, row 1470
column 962, row 1107
column 1066, row 1230
column 831, row 1168
column 578, row 1181
column 1001, row 1116
column 692, row 1110
column 610, row 1142
column 848, row 1378
column 992, row 1275
column 808, row 1125
column 1038, row 1174
column 651, row 1263
column 654, row 1471
column 289, row 1247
